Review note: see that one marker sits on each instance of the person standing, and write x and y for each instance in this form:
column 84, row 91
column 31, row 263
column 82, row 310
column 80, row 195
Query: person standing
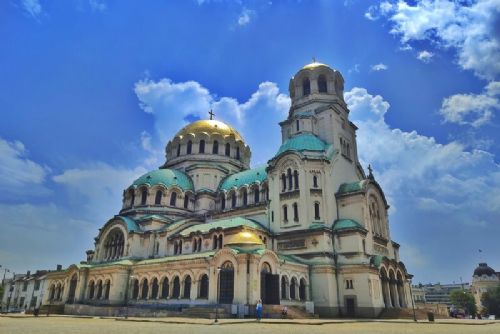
column 258, row 309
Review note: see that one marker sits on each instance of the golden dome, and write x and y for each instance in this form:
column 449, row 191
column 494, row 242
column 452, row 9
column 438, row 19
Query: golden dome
column 313, row 65
column 244, row 238
column 209, row 126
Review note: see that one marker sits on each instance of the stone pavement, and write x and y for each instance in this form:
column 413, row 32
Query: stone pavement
column 20, row 324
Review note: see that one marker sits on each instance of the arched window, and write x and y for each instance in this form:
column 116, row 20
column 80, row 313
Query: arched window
column 145, row 289
column 245, row 197
column 214, row 245
column 202, row 146
column 233, row 200
column 284, row 287
column 296, row 179
column 215, row 147
column 107, row 287
column 164, row 288
column 228, row 149
column 223, row 203
column 158, row 196
column 306, row 87
column 322, row 84
column 91, row 291
column 187, row 288
column 199, row 245
column 186, row 201
column 189, row 147
column 256, row 195
column 178, row 149
column 302, row 290
column 144, row 196
column 114, row 244
column 316, row 211
column 283, row 182
column 173, row 198
column 290, row 177
column 180, row 247
column 154, row 288
column 293, row 286
column 195, row 245
column 132, row 199
column 220, row 241
column 176, row 248
column 238, row 152
column 203, row 287
column 135, row 290
column 176, row 289
column 297, row 125
column 295, row 212
column 315, row 181
column 285, row 213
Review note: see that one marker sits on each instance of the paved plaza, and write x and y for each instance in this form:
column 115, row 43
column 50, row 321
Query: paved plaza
column 71, row 325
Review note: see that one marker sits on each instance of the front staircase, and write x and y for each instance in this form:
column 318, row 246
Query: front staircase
column 294, row 312
column 51, row 309
column 404, row 313
column 205, row 312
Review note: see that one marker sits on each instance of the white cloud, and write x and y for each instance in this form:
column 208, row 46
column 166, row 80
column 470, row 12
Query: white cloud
column 98, row 5
column 425, row 56
column 18, row 174
column 379, row 67
column 173, row 105
column 472, row 109
column 469, row 27
column 245, row 17
column 98, row 188
column 415, row 168
column 32, row 7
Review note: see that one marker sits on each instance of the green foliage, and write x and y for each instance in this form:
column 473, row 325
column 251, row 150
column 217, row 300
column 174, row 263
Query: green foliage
column 491, row 301
column 464, row 300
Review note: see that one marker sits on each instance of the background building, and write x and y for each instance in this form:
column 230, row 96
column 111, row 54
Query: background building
column 24, row 291
column 484, row 278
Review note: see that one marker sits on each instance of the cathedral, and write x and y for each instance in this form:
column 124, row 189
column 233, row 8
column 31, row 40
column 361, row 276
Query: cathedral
column 308, row 230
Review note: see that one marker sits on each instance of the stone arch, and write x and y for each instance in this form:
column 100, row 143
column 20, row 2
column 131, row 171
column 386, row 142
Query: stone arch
column 294, row 287
column 203, row 286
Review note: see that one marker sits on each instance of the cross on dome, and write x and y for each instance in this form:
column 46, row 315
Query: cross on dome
column 212, row 114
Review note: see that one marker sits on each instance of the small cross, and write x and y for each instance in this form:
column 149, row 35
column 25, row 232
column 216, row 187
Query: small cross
column 314, row 59
column 370, row 169
column 212, row 114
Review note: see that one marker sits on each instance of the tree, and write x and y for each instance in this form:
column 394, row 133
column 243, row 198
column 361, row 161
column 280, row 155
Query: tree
column 464, row 300
column 491, row 301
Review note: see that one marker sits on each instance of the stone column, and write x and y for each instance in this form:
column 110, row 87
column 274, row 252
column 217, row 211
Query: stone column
column 396, row 294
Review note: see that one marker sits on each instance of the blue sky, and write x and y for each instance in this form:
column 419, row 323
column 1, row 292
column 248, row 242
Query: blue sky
column 91, row 91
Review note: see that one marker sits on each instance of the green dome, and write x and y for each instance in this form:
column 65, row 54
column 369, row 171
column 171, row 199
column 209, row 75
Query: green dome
column 247, row 177
column 166, row 177
column 303, row 142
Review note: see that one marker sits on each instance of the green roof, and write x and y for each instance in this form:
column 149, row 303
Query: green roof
column 180, row 257
column 132, row 226
column 344, row 224
column 376, row 260
column 166, row 177
column 246, row 177
column 351, row 187
column 303, row 142
column 224, row 224
column 302, row 114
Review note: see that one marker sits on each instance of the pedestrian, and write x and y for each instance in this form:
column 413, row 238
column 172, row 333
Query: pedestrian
column 258, row 310
column 284, row 312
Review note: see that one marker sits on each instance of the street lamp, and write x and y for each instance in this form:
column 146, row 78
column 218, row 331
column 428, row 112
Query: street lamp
column 412, row 301
column 217, row 302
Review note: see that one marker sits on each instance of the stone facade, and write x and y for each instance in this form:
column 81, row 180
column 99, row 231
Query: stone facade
column 310, row 226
